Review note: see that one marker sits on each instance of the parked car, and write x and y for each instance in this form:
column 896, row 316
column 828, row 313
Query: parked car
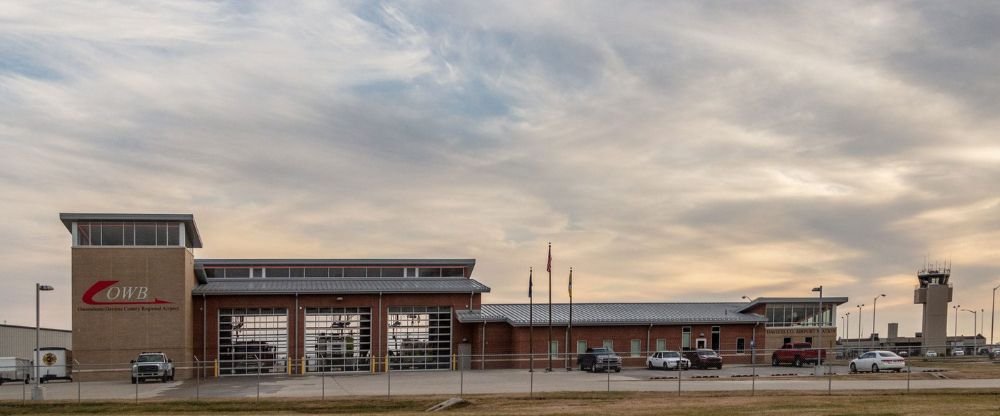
column 797, row 353
column 930, row 353
column 995, row 353
column 957, row 352
column 599, row 359
column 877, row 361
column 903, row 353
column 667, row 360
column 704, row 359
column 152, row 365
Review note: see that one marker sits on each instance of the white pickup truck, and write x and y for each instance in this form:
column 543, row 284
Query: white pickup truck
column 152, row 365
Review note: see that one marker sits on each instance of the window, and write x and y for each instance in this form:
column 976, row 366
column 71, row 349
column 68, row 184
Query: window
column 581, row 346
column 392, row 272
column 277, row 272
column 809, row 340
column 316, row 272
column 554, row 348
column 786, row 340
column 661, row 344
column 419, row 337
column 237, row 272
column 258, row 272
column 636, row 348
column 374, row 272
column 452, row 272
column 355, row 272
column 740, row 346
column 686, row 338
column 337, row 272
column 430, row 272
column 296, row 272
column 716, row 335
column 609, row 344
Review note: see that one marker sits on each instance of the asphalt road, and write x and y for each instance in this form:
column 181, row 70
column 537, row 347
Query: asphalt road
column 482, row 382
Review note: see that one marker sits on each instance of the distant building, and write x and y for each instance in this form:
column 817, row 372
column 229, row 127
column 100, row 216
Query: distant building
column 934, row 292
column 19, row 341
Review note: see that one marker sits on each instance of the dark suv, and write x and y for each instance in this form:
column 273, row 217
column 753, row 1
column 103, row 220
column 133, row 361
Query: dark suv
column 599, row 359
column 704, row 359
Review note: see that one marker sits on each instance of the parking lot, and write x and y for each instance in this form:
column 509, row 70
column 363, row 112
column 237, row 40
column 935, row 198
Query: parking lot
column 735, row 378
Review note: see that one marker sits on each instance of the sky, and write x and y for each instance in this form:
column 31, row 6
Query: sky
column 670, row 151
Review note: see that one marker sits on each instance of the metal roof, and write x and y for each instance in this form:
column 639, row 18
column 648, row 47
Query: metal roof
column 190, row 228
column 281, row 286
column 614, row 314
column 817, row 300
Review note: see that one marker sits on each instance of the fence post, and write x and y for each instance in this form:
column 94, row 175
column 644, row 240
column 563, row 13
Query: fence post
column 531, row 385
column 829, row 382
column 388, row 373
column 79, row 396
column 908, row 370
column 197, row 378
column 137, row 381
column 461, row 379
column 24, row 396
column 609, row 380
column 258, row 375
column 679, row 375
column 753, row 380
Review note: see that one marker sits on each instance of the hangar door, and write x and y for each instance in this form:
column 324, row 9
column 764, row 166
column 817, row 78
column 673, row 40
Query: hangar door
column 419, row 337
column 338, row 339
column 253, row 340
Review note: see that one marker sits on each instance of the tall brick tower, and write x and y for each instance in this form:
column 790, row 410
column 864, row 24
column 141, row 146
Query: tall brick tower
column 934, row 292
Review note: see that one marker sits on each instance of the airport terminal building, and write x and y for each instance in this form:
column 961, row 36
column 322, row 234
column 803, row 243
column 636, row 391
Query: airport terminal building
column 137, row 286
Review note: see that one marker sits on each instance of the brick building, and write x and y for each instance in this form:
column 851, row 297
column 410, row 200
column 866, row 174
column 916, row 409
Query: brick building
column 137, row 287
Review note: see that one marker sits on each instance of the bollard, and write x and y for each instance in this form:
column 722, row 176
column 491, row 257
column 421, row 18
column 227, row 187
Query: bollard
column 531, row 385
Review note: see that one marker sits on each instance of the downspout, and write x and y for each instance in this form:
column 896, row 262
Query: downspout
column 381, row 333
column 204, row 328
column 482, row 364
column 295, row 331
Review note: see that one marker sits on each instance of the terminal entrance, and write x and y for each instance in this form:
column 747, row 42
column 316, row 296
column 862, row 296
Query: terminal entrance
column 419, row 338
column 253, row 341
column 338, row 339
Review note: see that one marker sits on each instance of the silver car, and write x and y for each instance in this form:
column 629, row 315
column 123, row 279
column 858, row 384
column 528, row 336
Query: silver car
column 667, row 360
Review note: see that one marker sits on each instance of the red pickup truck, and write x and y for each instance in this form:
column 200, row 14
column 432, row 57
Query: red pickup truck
column 796, row 354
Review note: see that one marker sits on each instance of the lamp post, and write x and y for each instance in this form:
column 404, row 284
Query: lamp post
column 993, row 313
column 975, row 315
column 874, row 304
column 956, row 307
column 859, row 326
column 822, row 317
column 36, row 392
column 842, row 318
column 847, row 330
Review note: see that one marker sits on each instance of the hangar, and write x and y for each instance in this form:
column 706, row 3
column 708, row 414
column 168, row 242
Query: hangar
column 137, row 286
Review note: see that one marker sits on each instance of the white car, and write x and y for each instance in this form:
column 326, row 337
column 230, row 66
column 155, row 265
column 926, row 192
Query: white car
column 877, row 361
column 957, row 353
column 930, row 353
column 668, row 360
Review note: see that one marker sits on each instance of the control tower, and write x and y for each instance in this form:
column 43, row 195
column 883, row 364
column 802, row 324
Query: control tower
column 934, row 292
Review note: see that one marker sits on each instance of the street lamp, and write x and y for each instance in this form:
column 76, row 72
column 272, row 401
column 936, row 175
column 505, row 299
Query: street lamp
column 746, row 298
column 993, row 312
column 822, row 317
column 842, row 318
column 859, row 326
column 974, row 323
column 874, row 304
column 847, row 329
column 36, row 393
column 956, row 318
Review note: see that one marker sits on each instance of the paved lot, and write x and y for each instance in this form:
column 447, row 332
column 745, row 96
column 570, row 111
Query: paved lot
column 481, row 382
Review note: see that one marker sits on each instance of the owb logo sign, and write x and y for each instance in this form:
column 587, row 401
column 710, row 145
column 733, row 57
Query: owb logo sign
column 119, row 295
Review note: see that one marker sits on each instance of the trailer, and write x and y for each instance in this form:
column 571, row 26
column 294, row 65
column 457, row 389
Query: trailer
column 54, row 364
column 15, row 369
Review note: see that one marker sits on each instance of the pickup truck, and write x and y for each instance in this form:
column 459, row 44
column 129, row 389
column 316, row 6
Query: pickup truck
column 152, row 365
column 796, row 354
column 599, row 359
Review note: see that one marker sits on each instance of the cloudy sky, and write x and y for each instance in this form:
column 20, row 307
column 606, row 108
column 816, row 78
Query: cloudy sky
column 670, row 151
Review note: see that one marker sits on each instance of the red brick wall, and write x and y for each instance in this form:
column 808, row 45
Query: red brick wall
column 502, row 339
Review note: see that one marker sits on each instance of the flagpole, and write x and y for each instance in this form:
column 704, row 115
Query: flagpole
column 569, row 332
column 531, row 326
column 548, row 348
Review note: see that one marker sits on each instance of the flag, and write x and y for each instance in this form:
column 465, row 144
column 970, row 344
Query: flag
column 548, row 266
column 529, row 283
column 571, row 283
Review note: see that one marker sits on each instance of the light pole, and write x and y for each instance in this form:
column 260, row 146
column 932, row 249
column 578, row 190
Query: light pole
column 36, row 392
column 975, row 315
column 874, row 304
column 956, row 307
column 859, row 326
column 847, row 330
column 993, row 313
column 822, row 317
column 842, row 318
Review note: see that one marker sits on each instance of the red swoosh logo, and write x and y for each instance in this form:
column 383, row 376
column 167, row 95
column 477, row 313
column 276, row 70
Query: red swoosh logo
column 88, row 296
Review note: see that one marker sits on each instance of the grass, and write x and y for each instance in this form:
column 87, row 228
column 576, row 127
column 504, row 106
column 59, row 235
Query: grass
column 979, row 402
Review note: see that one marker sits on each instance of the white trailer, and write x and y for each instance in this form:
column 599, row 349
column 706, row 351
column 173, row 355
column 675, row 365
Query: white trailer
column 15, row 369
column 54, row 364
